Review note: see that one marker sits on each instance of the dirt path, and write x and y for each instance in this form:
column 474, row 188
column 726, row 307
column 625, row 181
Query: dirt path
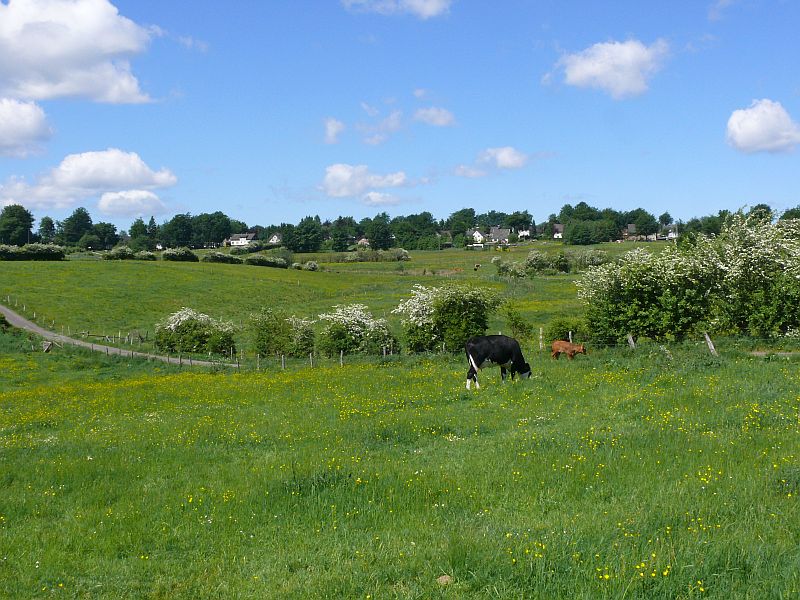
column 21, row 322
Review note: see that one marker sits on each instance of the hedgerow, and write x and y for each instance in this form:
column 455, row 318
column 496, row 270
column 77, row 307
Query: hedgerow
column 745, row 281
column 32, row 252
column 275, row 333
column 221, row 257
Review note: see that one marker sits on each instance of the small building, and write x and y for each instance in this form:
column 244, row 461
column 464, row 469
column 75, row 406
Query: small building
column 475, row 236
column 275, row 239
column 499, row 235
column 558, row 231
column 241, row 239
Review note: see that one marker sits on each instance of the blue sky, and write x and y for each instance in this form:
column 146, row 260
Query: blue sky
column 271, row 110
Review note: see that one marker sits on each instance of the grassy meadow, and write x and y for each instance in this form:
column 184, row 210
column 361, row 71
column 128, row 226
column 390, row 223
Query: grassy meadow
column 662, row 472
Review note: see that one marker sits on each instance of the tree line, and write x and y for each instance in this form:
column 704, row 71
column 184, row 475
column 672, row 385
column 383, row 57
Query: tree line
column 582, row 224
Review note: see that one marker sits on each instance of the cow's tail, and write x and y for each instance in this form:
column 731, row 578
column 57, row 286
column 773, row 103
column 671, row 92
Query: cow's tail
column 472, row 362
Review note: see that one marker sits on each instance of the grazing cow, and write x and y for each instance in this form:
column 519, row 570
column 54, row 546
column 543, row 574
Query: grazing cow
column 499, row 350
column 561, row 347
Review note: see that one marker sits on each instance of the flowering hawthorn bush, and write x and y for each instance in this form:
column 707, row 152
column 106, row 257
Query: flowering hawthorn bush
column 179, row 255
column 448, row 315
column 190, row 331
column 746, row 280
column 353, row 329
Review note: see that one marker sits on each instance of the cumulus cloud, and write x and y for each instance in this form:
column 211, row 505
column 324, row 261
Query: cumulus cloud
column 424, row 9
column 333, row 128
column 438, row 117
column 343, row 180
column 23, row 127
column 130, row 203
column 58, row 48
column 504, row 158
column 621, row 69
column 87, row 175
column 764, row 126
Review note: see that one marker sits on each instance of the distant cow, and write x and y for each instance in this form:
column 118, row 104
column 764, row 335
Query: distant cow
column 486, row 350
column 561, row 347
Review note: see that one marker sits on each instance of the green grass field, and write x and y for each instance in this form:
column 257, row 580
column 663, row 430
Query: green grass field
column 662, row 472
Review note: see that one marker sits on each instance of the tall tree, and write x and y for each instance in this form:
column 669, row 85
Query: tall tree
column 106, row 234
column 47, row 230
column 16, row 223
column 379, row 233
column 76, row 225
column 177, row 231
column 307, row 235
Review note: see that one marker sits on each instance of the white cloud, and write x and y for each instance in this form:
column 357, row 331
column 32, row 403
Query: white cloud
column 469, row 172
column 333, row 128
column 379, row 133
column 343, row 180
column 130, row 203
column 82, row 176
column 424, row 9
column 380, row 199
column 763, row 127
column 57, row 48
column 438, row 117
column 504, row 158
column 621, row 69
column 715, row 12
column 23, row 126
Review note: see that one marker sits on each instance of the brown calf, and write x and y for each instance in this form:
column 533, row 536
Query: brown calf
column 561, row 347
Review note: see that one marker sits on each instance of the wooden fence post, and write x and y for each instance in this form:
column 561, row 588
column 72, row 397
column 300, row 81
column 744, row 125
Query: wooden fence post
column 631, row 343
column 541, row 338
column 710, row 344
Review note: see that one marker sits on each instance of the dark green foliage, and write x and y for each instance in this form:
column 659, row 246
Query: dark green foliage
column 519, row 327
column 265, row 260
column 15, row 225
column 459, row 314
column 559, row 328
column 221, row 257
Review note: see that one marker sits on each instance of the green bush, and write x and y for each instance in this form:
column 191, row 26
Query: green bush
column 445, row 316
column 179, row 255
column 190, row 331
column 145, row 255
column 560, row 327
column 221, row 257
column 265, row 260
column 276, row 334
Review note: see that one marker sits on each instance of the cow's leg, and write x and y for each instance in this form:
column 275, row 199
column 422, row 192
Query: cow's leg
column 570, row 355
column 555, row 354
column 472, row 373
column 503, row 371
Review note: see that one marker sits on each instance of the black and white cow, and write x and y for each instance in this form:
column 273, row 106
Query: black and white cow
column 486, row 350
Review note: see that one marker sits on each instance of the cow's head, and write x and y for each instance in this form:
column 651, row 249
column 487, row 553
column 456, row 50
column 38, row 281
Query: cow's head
column 526, row 371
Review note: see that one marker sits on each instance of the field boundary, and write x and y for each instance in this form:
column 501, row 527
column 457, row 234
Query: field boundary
column 17, row 320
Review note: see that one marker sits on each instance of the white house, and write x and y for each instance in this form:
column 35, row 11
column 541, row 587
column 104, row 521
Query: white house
column 558, row 231
column 476, row 235
column 275, row 238
column 242, row 239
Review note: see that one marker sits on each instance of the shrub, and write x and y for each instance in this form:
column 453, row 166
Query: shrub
column 190, row 331
column 560, row 327
column 145, row 255
column 120, row 253
column 311, row 266
column 265, row 260
column 746, row 280
column 447, row 315
column 32, row 252
column 353, row 329
column 222, row 257
column 370, row 255
column 179, row 254
column 275, row 333
column 518, row 326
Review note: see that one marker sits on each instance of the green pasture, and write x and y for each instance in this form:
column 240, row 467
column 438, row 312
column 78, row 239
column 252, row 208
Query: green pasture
column 112, row 297
column 655, row 473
